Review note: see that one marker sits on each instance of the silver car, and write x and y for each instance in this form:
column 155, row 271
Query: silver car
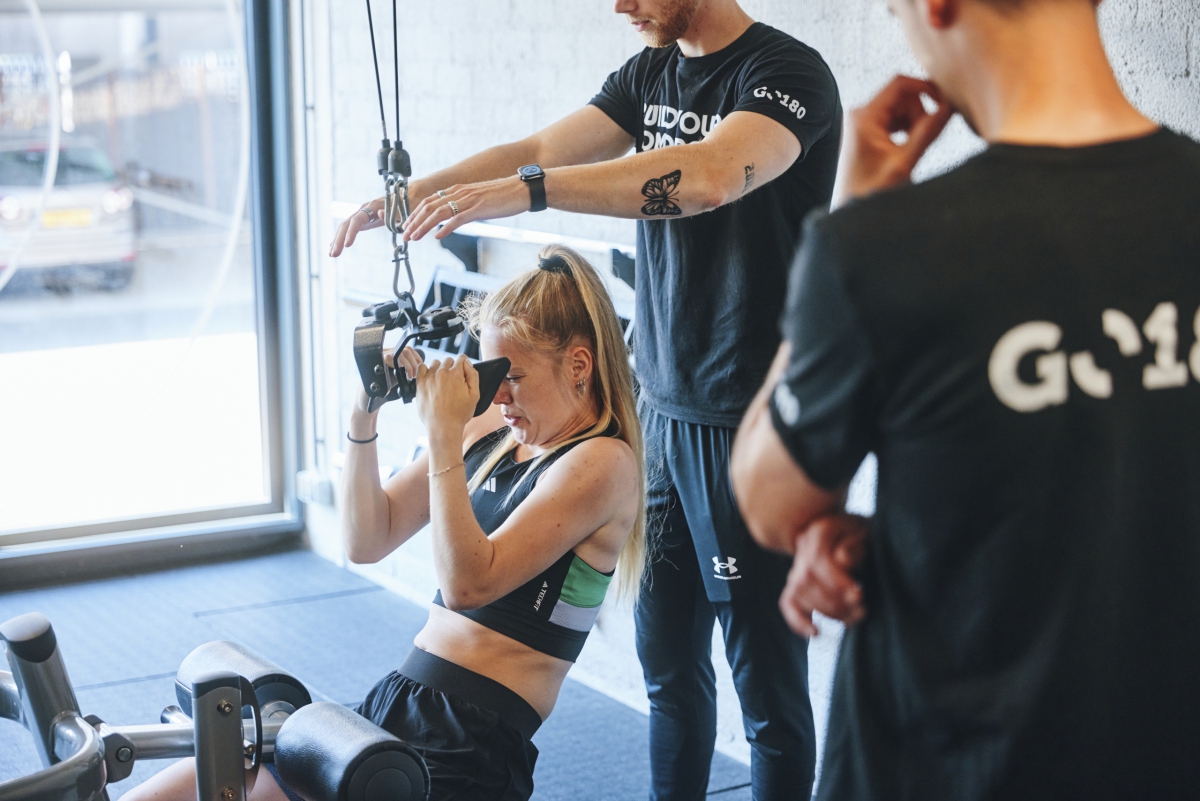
column 87, row 234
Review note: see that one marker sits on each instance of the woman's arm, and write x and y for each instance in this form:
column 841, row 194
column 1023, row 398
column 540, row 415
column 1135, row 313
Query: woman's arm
column 377, row 520
column 590, row 489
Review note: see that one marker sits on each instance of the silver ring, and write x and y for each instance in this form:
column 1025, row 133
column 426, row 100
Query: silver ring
column 369, row 212
column 441, row 193
column 453, row 208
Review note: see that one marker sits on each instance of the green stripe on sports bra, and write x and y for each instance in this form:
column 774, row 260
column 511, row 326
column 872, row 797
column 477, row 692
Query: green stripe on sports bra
column 584, row 586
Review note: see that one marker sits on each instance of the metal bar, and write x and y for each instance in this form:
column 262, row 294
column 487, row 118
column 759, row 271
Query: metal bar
column 217, row 704
column 41, row 678
column 177, row 740
column 10, row 697
column 174, row 714
column 80, row 773
column 530, row 237
column 160, row 740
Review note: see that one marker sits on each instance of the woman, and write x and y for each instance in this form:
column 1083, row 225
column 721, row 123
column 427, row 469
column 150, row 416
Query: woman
column 533, row 507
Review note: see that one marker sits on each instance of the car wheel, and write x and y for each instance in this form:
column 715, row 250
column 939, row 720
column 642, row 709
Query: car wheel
column 116, row 277
column 59, row 280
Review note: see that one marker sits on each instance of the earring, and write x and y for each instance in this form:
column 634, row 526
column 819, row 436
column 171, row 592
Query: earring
column 581, row 388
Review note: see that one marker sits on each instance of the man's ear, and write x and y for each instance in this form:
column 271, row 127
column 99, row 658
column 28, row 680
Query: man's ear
column 941, row 14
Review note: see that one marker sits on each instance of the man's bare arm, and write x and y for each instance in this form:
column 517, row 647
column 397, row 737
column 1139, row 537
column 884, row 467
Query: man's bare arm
column 785, row 511
column 745, row 151
column 777, row 499
column 582, row 137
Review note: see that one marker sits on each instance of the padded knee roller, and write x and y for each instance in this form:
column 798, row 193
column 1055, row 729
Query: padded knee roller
column 326, row 752
column 275, row 689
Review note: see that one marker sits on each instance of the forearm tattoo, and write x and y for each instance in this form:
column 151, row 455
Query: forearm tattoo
column 749, row 178
column 660, row 196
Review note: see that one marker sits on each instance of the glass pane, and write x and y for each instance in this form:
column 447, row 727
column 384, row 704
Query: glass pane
column 129, row 344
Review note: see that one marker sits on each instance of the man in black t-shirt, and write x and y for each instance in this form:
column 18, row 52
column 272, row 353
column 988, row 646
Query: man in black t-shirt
column 718, row 225
column 1018, row 341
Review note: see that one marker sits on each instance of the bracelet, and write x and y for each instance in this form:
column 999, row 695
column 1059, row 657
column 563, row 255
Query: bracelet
column 362, row 441
column 446, row 469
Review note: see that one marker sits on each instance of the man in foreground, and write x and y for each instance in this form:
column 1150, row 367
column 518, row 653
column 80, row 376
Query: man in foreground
column 1017, row 341
column 718, row 222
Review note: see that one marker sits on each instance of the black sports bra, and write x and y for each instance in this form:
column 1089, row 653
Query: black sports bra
column 553, row 611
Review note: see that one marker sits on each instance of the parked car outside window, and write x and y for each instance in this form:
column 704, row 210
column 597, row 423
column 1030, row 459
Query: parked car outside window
column 88, row 233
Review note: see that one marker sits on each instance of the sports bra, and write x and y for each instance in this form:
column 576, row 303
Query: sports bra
column 553, row 611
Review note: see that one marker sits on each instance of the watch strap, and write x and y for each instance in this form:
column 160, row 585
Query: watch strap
column 537, row 189
column 537, row 193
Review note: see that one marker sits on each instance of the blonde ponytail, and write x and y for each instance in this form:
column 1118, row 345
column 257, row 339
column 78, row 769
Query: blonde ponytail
column 549, row 310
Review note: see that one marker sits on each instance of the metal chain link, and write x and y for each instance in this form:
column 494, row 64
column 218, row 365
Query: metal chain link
column 396, row 213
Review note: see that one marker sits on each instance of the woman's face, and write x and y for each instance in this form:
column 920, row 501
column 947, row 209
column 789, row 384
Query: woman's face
column 539, row 397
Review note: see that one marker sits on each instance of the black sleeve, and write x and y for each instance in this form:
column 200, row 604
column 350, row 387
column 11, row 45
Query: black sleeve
column 618, row 98
column 796, row 89
column 823, row 408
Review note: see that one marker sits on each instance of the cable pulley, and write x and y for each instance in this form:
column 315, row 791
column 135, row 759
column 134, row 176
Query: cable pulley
column 393, row 163
column 382, row 381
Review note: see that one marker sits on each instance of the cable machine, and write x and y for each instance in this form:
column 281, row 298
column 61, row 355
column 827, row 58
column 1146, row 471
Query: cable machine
column 384, row 382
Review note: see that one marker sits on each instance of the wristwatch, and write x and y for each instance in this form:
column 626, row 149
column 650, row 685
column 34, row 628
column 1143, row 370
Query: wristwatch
column 534, row 177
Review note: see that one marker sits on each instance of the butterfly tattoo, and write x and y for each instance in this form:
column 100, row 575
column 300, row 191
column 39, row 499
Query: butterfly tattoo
column 660, row 195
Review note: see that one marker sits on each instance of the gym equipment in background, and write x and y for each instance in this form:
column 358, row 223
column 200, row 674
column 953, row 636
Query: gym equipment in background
column 235, row 711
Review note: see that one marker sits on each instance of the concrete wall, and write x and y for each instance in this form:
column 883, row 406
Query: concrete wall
column 478, row 72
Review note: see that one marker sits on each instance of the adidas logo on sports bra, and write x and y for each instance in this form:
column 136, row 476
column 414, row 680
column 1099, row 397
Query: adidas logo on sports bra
column 489, row 485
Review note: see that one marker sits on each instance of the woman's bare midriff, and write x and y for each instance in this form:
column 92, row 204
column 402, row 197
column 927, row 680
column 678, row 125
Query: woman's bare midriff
column 534, row 676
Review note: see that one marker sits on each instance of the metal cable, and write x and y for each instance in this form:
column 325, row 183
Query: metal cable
column 375, row 60
column 396, row 68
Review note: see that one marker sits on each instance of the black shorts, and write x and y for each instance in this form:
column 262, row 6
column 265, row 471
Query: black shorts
column 473, row 732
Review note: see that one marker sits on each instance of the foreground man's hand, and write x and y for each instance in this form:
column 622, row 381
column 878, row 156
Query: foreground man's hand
column 871, row 159
column 821, row 578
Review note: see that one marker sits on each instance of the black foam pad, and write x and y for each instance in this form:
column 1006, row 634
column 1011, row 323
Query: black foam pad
column 326, row 752
column 270, row 682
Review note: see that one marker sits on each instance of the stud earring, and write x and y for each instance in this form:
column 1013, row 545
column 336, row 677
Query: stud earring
column 581, row 388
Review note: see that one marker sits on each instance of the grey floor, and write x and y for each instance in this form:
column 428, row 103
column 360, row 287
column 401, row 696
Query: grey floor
column 124, row 638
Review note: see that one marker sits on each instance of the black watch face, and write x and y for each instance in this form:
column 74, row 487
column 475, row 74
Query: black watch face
column 530, row 171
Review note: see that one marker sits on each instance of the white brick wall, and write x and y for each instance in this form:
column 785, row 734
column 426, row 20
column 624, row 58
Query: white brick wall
column 478, row 72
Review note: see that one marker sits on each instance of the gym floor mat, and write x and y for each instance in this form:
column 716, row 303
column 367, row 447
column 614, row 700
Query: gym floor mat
column 124, row 638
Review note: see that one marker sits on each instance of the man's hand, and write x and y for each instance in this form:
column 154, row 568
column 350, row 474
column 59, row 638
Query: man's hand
column 821, row 580
column 347, row 232
column 503, row 197
column 871, row 159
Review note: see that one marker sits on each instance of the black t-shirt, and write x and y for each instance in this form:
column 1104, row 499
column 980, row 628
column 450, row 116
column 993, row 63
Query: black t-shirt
column 1017, row 341
column 710, row 288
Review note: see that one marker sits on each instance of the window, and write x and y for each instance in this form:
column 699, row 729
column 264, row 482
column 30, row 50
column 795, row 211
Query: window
column 144, row 334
